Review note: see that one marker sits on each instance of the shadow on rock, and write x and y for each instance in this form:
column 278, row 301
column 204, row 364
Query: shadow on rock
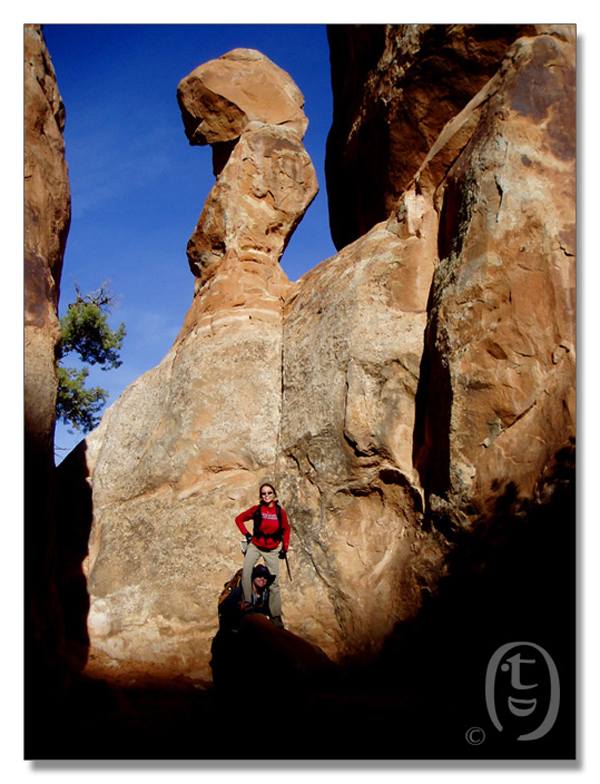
column 259, row 651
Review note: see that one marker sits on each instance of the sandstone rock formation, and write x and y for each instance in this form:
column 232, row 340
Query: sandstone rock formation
column 353, row 342
column 47, row 218
column 185, row 445
column 494, row 412
column 220, row 99
column 47, row 211
column 395, row 87
column 398, row 394
column 501, row 325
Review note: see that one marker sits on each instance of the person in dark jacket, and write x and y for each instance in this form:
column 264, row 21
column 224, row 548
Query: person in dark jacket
column 230, row 609
column 270, row 539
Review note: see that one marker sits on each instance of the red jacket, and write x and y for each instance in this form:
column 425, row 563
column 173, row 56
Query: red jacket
column 269, row 525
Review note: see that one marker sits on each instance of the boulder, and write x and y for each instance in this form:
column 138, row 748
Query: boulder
column 221, row 98
column 270, row 652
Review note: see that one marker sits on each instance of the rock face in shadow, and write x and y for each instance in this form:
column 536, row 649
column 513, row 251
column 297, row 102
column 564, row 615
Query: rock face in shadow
column 47, row 213
column 395, row 87
column 270, row 652
column 402, row 394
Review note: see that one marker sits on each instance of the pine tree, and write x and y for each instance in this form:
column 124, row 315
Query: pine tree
column 85, row 331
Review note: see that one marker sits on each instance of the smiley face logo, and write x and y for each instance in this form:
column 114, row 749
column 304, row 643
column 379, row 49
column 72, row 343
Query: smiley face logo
column 522, row 690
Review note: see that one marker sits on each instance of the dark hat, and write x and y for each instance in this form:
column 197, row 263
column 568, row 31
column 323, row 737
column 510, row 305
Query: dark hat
column 262, row 571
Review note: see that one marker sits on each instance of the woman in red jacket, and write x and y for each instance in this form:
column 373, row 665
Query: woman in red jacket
column 270, row 538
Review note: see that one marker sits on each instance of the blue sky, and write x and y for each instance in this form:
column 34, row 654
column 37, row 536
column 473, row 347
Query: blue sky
column 138, row 187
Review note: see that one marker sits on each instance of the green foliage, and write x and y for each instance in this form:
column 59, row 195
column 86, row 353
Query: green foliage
column 74, row 403
column 85, row 331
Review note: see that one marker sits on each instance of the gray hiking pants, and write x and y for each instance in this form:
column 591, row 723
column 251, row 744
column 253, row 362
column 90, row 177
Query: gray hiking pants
column 271, row 559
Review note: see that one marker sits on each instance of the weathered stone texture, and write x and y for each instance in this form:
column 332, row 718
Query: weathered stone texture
column 353, row 343
column 501, row 332
column 253, row 208
column 395, row 87
column 47, row 216
column 220, row 99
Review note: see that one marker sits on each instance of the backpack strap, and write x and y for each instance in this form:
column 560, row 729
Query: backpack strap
column 230, row 585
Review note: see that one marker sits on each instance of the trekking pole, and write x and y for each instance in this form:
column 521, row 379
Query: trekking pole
column 287, row 564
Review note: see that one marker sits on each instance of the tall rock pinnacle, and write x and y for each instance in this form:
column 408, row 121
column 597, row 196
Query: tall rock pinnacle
column 187, row 443
column 250, row 111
